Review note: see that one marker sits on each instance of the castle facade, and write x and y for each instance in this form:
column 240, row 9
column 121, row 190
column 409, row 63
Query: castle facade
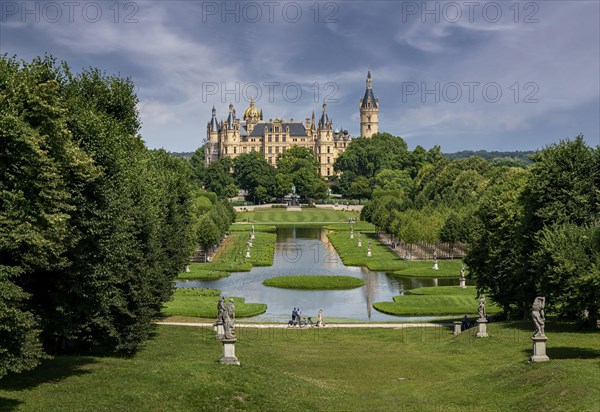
column 233, row 136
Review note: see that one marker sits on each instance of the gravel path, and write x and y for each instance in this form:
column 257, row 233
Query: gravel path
column 331, row 325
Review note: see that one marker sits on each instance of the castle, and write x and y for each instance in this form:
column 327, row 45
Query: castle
column 234, row 136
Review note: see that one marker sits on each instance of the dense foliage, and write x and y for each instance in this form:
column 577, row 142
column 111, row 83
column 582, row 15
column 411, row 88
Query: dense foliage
column 262, row 182
column 538, row 234
column 531, row 231
column 516, row 158
column 94, row 227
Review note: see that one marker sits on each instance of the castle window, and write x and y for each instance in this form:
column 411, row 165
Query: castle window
column 328, row 160
column 328, row 149
column 270, row 160
column 234, row 149
column 270, row 149
column 283, row 138
column 328, row 172
column 277, row 149
column 276, row 137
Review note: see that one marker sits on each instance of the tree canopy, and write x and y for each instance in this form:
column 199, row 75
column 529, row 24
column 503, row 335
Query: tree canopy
column 94, row 227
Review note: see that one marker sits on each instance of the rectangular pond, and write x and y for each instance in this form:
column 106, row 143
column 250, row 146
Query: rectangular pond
column 307, row 251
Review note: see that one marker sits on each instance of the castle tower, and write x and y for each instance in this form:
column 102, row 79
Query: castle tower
column 211, row 149
column 252, row 115
column 369, row 111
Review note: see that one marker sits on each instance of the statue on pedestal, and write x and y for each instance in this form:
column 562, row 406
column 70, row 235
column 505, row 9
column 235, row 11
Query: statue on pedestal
column 229, row 319
column 462, row 278
column 481, row 308
column 537, row 313
column 220, row 309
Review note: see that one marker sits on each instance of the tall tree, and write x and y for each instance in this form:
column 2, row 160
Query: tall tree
column 93, row 226
column 366, row 157
column 251, row 170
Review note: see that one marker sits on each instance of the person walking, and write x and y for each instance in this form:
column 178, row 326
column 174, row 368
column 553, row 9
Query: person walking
column 320, row 318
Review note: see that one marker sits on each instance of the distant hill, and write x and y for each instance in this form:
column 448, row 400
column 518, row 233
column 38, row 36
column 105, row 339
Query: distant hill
column 505, row 158
column 187, row 155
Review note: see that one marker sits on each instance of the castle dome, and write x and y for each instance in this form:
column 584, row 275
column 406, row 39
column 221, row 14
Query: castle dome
column 252, row 111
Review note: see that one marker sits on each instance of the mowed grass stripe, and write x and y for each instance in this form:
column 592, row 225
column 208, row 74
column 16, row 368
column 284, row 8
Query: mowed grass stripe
column 438, row 300
column 314, row 282
column 202, row 303
column 305, row 216
column 384, row 259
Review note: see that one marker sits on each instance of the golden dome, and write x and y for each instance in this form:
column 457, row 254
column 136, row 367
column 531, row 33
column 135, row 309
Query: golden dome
column 252, row 111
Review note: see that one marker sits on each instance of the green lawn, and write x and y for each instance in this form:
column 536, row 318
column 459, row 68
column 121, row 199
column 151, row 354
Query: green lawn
column 327, row 369
column 439, row 300
column 202, row 303
column 423, row 268
column 244, row 227
column 231, row 255
column 282, row 216
column 198, row 272
column 314, row 282
column 384, row 259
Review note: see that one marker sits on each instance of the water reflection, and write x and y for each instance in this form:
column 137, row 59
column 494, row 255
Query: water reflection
column 307, row 251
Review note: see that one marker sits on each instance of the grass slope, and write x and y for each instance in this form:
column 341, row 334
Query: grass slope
column 314, row 282
column 383, row 259
column 316, row 215
column 441, row 300
column 245, row 227
column 328, row 369
column 202, row 303
column 231, row 255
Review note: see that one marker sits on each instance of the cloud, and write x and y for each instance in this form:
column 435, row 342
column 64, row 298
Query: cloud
column 156, row 113
column 172, row 52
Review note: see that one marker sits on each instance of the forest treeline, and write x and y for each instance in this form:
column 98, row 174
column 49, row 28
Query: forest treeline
column 94, row 227
column 530, row 232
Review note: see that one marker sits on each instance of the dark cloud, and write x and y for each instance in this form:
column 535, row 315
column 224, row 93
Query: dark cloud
column 174, row 50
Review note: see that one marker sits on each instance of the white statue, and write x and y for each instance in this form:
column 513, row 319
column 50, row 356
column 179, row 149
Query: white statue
column 537, row 313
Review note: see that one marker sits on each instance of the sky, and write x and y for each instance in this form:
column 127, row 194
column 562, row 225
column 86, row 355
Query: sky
column 465, row 75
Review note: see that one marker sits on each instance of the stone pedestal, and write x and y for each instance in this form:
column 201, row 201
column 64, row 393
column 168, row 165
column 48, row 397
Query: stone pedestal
column 220, row 330
column 435, row 266
column 369, row 253
column 252, row 236
column 539, row 349
column 187, row 269
column 359, row 243
column 247, row 254
column 457, row 327
column 351, row 235
column 462, row 284
column 482, row 328
column 250, row 243
column 229, row 357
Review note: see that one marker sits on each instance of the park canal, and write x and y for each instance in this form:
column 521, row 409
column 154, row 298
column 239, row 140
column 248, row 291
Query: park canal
column 307, row 251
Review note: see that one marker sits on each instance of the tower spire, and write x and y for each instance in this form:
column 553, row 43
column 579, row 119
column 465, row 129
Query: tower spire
column 369, row 110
